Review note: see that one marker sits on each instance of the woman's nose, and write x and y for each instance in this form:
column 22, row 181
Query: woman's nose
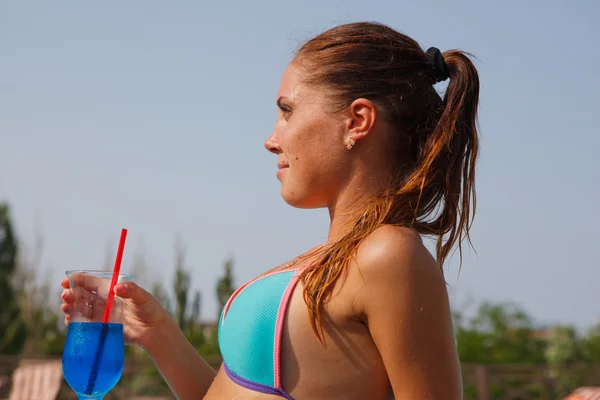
column 272, row 144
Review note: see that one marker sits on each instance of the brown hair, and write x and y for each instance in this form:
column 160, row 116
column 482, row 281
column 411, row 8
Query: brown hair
column 432, row 159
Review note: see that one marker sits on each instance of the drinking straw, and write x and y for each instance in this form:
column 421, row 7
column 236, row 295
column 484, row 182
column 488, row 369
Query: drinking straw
column 115, row 277
column 107, row 310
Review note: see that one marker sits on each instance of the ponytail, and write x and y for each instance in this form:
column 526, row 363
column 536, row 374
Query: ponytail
column 447, row 161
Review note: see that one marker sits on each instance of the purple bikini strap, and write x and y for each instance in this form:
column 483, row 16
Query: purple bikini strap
column 258, row 387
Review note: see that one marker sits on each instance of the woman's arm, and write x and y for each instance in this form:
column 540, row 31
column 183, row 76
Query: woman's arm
column 184, row 370
column 405, row 303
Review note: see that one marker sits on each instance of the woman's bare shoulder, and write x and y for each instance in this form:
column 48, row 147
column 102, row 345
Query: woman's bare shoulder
column 396, row 248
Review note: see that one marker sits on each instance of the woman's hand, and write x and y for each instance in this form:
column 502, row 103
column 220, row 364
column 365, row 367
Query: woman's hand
column 141, row 311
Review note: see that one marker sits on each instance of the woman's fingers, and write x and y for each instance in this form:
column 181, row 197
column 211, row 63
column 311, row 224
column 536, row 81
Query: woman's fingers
column 86, row 297
column 77, row 308
column 65, row 283
column 67, row 296
column 69, row 308
column 93, row 311
column 87, row 282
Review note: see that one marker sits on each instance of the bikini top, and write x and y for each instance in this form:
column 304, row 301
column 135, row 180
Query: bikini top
column 250, row 331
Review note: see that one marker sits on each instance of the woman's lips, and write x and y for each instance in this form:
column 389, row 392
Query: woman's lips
column 281, row 169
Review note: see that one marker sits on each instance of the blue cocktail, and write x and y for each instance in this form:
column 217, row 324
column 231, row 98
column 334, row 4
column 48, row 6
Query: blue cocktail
column 82, row 356
column 93, row 356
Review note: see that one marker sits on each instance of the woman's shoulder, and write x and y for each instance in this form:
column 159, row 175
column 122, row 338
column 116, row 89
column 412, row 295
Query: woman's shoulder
column 393, row 243
column 394, row 253
column 396, row 277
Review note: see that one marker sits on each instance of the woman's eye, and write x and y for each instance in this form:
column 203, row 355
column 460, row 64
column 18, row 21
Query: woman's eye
column 285, row 112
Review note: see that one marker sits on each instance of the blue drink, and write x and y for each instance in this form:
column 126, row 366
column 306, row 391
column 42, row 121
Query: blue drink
column 93, row 346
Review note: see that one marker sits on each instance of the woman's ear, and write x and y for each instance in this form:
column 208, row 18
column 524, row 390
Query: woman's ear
column 360, row 120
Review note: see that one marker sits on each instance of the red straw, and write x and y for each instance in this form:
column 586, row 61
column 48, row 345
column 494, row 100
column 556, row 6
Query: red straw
column 115, row 277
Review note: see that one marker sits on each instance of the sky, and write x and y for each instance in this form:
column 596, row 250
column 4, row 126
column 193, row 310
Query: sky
column 151, row 116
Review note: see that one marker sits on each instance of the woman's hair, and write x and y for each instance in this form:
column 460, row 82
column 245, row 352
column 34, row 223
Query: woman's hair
column 432, row 157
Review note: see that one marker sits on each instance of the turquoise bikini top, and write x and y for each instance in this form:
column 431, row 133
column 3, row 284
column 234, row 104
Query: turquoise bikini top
column 250, row 330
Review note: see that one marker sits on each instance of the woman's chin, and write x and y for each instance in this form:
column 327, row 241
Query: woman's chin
column 298, row 200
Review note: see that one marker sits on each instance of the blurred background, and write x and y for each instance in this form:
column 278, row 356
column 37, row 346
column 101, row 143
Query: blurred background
column 152, row 117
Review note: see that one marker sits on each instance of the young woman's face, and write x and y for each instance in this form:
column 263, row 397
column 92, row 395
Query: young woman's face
column 309, row 140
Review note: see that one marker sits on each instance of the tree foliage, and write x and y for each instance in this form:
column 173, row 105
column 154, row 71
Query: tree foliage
column 225, row 286
column 498, row 333
column 13, row 331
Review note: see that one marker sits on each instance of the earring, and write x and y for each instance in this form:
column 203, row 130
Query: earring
column 351, row 143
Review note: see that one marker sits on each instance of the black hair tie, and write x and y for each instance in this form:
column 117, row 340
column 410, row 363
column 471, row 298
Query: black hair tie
column 439, row 68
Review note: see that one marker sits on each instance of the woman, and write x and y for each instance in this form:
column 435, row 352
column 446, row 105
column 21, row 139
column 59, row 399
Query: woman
column 361, row 131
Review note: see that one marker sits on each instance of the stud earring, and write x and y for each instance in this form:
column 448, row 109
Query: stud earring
column 351, row 143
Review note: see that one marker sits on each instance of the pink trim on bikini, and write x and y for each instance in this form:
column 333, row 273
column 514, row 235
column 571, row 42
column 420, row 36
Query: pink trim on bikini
column 279, row 325
column 228, row 304
column 237, row 292
column 279, row 328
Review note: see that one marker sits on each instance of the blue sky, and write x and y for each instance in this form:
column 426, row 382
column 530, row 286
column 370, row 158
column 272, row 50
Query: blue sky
column 152, row 116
